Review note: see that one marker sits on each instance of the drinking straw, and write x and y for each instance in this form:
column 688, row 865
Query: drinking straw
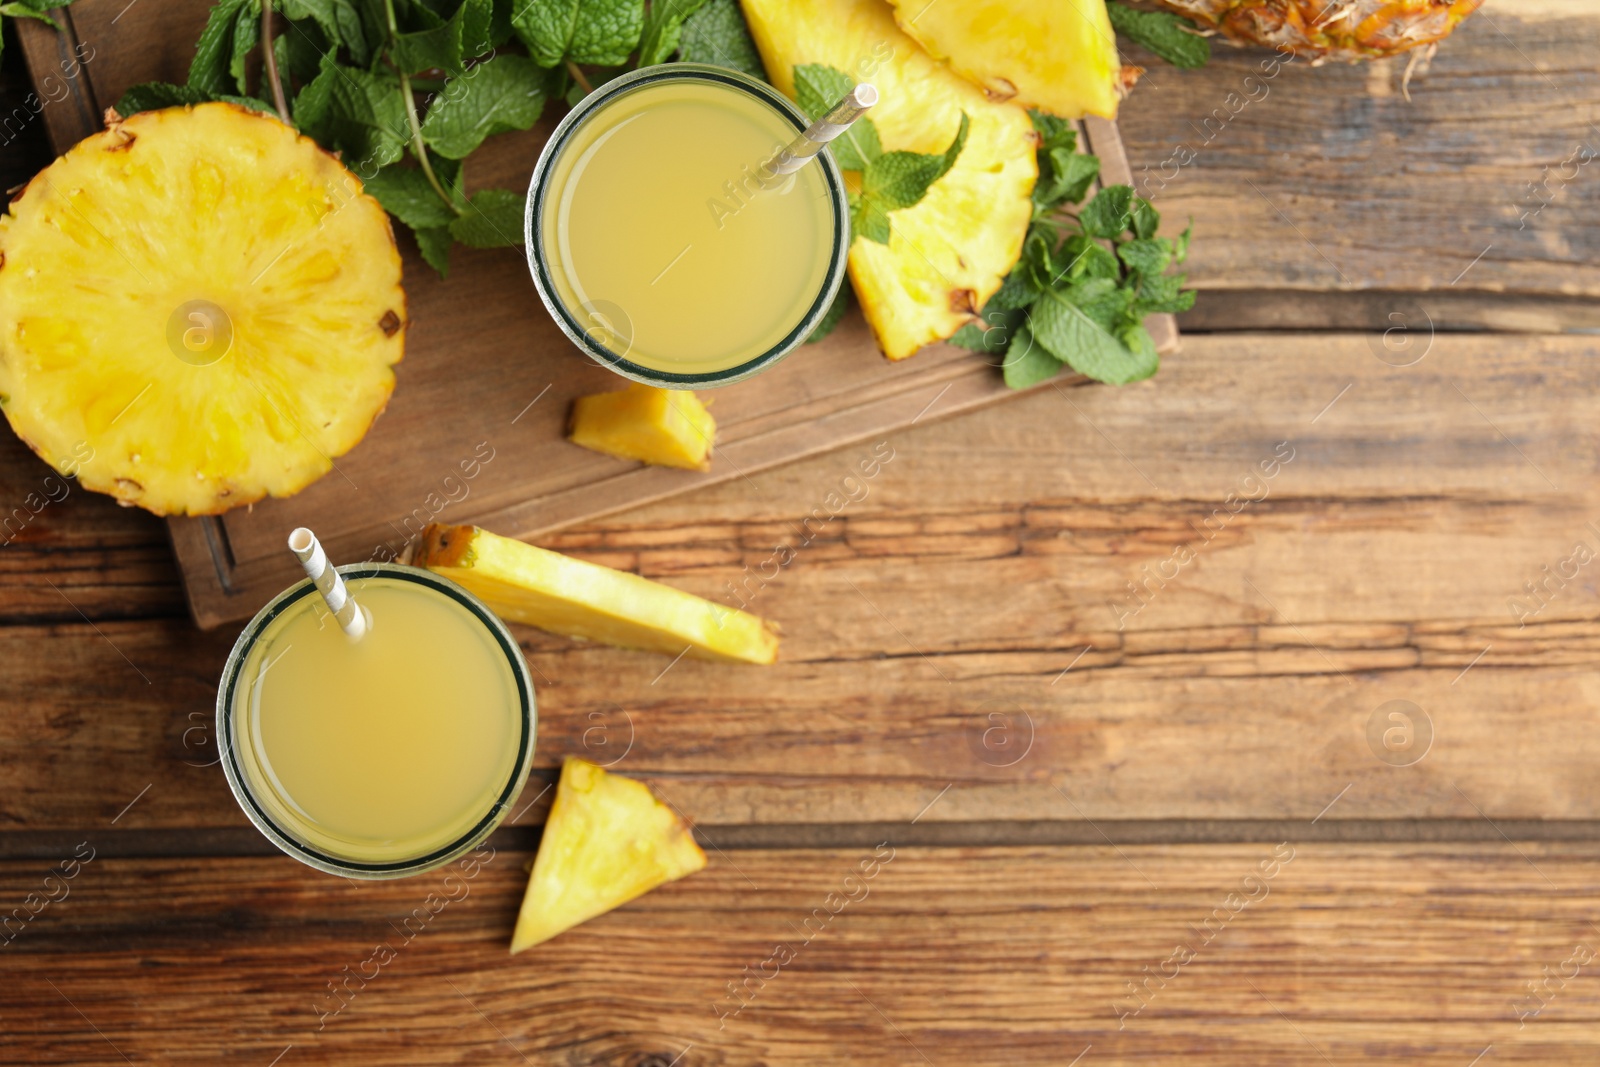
column 308, row 550
column 804, row 148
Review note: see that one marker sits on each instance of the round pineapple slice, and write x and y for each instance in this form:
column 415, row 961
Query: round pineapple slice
column 198, row 307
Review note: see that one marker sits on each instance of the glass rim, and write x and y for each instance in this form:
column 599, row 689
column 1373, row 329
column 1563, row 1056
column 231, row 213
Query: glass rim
column 322, row 861
column 539, row 267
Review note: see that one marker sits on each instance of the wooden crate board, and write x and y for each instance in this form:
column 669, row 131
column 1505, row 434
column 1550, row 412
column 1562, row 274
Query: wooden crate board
column 488, row 379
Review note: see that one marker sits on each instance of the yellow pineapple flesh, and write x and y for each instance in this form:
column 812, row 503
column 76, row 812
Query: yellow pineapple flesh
column 663, row 427
column 535, row 586
column 1056, row 55
column 948, row 253
column 607, row 841
column 198, row 308
column 1347, row 30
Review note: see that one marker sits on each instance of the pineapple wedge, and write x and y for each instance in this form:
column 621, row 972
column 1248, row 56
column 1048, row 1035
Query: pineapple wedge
column 664, row 427
column 198, row 308
column 526, row 584
column 1056, row 55
column 607, row 841
column 948, row 253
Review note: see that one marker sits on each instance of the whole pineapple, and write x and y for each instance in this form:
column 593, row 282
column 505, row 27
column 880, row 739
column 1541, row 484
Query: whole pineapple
column 198, row 308
column 1330, row 29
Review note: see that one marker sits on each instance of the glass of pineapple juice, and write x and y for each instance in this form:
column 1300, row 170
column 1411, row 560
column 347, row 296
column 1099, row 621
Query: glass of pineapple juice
column 385, row 756
column 656, row 245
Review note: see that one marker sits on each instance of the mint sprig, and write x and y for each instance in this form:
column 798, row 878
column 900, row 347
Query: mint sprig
column 890, row 181
column 405, row 90
column 1085, row 281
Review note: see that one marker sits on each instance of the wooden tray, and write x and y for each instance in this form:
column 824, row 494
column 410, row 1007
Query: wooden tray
column 474, row 432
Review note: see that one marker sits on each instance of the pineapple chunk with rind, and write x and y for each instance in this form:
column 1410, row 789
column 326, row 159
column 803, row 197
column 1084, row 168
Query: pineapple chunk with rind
column 114, row 263
column 607, row 841
column 535, row 586
column 661, row 427
column 948, row 253
column 1056, row 55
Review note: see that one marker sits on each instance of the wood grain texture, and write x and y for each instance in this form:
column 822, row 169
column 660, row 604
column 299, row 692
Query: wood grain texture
column 980, row 563
column 1419, row 954
column 1329, row 178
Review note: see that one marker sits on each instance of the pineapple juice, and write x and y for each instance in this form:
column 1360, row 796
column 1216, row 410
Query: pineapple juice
column 384, row 749
column 663, row 244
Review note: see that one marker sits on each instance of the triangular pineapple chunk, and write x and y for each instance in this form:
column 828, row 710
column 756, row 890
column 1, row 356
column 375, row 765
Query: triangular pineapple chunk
column 523, row 583
column 662, row 427
column 607, row 841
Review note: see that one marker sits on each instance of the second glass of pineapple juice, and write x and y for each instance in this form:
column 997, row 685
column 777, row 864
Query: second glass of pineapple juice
column 384, row 756
column 655, row 243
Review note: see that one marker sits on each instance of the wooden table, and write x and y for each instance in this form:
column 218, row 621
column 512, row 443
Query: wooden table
column 1117, row 836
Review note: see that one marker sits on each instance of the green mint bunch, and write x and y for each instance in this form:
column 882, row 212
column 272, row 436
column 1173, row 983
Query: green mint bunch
column 405, row 90
column 1086, row 280
column 1169, row 36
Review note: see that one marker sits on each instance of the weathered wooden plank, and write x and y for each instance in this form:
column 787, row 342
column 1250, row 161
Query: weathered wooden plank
column 1298, row 953
column 984, row 558
column 1329, row 178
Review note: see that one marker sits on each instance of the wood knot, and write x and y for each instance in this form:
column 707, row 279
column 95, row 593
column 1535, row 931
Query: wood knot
column 651, row 1059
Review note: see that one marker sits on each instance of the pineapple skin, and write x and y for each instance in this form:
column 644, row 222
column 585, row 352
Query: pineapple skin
column 1350, row 30
column 999, row 45
column 948, row 253
column 608, row 840
column 103, row 250
column 661, row 427
column 537, row 587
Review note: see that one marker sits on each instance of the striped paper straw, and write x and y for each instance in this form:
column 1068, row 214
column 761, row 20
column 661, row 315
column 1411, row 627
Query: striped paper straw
column 804, row 148
column 308, row 550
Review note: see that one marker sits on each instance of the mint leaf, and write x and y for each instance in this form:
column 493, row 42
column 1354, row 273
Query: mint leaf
column 1164, row 293
column 1027, row 363
column 153, row 96
column 717, row 34
column 994, row 330
column 504, row 93
column 1101, row 299
column 545, row 27
column 435, row 248
column 1165, row 34
column 897, row 180
column 663, row 27
column 299, row 49
column 601, row 32
column 607, row 31
column 1068, row 179
column 831, row 317
column 1146, row 220
column 1146, row 255
column 26, row 9
column 868, row 219
column 406, row 194
column 355, row 112
column 817, row 88
column 213, row 52
column 246, row 35
column 1110, row 213
column 1016, row 292
column 493, row 219
column 448, row 45
column 1068, row 333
